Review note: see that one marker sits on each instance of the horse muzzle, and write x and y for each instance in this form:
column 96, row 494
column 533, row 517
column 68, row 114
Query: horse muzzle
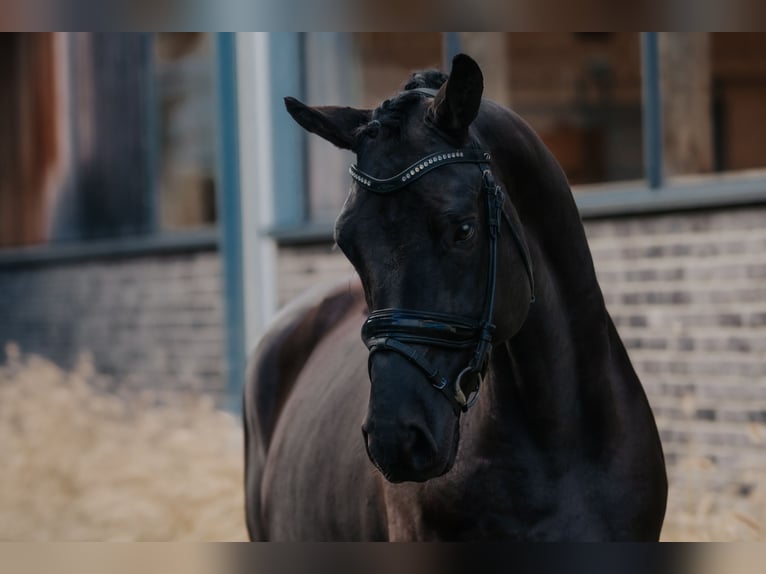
column 407, row 454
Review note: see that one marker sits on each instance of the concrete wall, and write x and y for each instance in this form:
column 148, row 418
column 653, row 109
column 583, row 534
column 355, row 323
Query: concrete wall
column 150, row 321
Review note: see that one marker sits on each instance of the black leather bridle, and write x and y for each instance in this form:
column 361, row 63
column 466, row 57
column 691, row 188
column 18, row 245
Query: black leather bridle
column 395, row 330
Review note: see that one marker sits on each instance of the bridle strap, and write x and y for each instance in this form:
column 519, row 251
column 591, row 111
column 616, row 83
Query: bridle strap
column 525, row 257
column 421, row 362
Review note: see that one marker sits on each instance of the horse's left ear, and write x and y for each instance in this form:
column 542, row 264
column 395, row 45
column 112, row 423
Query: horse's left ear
column 458, row 100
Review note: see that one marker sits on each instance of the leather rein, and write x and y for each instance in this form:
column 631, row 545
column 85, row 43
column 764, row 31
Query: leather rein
column 396, row 330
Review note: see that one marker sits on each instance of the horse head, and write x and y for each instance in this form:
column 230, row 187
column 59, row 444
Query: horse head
column 441, row 256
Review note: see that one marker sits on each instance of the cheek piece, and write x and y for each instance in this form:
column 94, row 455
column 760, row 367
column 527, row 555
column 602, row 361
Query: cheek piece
column 396, row 330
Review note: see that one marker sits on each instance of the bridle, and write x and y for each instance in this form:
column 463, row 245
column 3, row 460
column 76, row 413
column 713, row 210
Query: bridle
column 395, row 330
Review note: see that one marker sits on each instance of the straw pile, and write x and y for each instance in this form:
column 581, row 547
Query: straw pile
column 698, row 512
column 81, row 462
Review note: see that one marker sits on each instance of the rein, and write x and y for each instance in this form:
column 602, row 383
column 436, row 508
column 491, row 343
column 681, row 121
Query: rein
column 395, row 330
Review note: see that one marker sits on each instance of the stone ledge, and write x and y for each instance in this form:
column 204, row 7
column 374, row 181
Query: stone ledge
column 164, row 243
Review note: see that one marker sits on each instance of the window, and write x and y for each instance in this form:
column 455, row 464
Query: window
column 185, row 93
column 28, row 136
column 581, row 93
column 639, row 122
column 104, row 135
column 738, row 70
column 714, row 101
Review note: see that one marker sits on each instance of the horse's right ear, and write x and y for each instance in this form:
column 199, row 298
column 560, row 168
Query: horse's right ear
column 338, row 125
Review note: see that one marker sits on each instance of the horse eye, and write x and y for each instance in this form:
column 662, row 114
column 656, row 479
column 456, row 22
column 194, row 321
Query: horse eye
column 464, row 232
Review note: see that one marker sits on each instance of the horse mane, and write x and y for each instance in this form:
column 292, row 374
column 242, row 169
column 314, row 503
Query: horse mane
column 432, row 79
column 540, row 192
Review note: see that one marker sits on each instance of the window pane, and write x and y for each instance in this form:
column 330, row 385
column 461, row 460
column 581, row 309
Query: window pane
column 714, row 101
column 108, row 135
column 582, row 93
column 186, row 162
column 739, row 84
column 74, row 156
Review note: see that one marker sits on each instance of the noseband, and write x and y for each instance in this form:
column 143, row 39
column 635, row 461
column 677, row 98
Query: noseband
column 395, row 330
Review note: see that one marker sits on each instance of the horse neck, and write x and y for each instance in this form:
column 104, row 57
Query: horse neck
column 555, row 367
column 554, row 373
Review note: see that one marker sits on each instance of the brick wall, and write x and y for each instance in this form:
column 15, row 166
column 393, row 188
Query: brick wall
column 686, row 291
column 148, row 321
column 688, row 295
column 302, row 268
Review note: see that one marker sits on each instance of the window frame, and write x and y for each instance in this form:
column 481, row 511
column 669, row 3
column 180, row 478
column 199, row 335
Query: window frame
column 654, row 194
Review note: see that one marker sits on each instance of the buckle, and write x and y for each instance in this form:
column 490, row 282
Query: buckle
column 466, row 402
column 495, row 199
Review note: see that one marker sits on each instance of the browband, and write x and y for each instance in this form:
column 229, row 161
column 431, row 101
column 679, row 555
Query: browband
column 417, row 169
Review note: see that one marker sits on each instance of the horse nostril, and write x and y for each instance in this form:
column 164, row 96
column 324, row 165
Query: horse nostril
column 420, row 447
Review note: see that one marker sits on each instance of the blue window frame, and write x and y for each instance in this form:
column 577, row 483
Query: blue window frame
column 655, row 193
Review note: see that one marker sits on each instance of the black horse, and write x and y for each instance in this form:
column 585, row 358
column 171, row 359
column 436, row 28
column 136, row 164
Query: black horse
column 502, row 402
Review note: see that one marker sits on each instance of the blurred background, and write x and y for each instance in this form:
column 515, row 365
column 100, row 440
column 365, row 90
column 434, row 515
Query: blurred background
column 158, row 206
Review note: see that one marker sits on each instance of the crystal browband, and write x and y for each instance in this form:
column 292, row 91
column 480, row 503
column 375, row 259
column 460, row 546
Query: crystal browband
column 417, row 169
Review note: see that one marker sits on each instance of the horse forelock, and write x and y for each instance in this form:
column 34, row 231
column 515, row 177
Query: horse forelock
column 394, row 113
column 432, row 79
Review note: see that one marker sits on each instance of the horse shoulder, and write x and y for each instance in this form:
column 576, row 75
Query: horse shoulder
column 273, row 369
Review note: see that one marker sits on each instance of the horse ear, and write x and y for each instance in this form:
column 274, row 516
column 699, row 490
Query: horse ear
column 457, row 102
column 334, row 123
